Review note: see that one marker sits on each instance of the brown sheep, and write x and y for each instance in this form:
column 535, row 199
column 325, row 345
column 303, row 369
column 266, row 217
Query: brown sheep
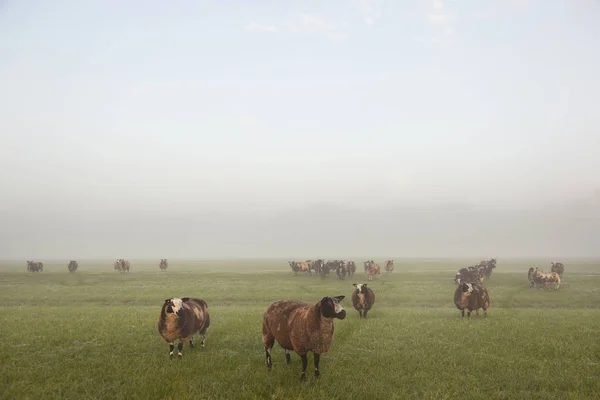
column 471, row 296
column 301, row 327
column 363, row 299
column 181, row 319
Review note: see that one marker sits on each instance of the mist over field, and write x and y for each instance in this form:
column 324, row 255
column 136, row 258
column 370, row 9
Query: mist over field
column 418, row 128
column 319, row 230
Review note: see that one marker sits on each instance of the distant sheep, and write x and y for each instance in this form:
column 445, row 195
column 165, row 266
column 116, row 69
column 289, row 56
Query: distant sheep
column 371, row 269
column 530, row 276
column 72, row 266
column 471, row 296
column 182, row 318
column 301, row 327
column 35, row 266
column 341, row 270
column 389, row 266
column 472, row 274
column 559, row 268
column 539, row 277
column 164, row 264
column 363, row 299
column 351, row 267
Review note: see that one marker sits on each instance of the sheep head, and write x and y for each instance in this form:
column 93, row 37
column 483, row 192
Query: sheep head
column 331, row 307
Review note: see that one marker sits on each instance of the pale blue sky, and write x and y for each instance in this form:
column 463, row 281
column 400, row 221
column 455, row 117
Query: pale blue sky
column 110, row 106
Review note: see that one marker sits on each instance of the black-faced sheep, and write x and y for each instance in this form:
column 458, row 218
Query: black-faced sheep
column 301, row 327
column 182, row 319
column 471, row 296
column 363, row 299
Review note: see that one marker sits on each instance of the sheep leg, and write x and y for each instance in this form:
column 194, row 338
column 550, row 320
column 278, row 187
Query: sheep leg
column 360, row 315
column 171, row 348
column 192, row 345
column 288, row 357
column 304, row 365
column 463, row 313
column 485, row 312
column 268, row 347
column 202, row 340
column 365, row 313
column 469, row 314
column 179, row 349
column 317, row 359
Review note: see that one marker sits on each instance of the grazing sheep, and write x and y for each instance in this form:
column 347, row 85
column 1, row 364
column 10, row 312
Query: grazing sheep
column 181, row 318
column 471, row 296
column 301, row 327
column 363, row 299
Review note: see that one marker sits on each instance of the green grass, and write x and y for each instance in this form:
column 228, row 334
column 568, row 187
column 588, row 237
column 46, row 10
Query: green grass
column 93, row 334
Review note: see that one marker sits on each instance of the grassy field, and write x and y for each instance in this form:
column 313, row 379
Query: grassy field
column 93, row 334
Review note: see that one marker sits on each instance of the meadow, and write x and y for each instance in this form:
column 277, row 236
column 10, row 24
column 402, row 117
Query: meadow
column 93, row 335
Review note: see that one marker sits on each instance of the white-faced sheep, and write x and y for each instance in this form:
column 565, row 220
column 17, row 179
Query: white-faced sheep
column 471, row 296
column 363, row 299
column 182, row 318
column 301, row 327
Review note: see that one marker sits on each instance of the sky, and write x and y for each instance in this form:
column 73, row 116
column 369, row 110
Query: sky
column 241, row 115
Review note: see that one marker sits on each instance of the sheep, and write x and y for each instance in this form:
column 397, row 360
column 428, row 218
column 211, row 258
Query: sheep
column 164, row 264
column 72, row 267
column 181, row 318
column 341, row 270
column 559, row 268
column 539, row 277
column 363, row 299
column 301, row 327
column 471, row 296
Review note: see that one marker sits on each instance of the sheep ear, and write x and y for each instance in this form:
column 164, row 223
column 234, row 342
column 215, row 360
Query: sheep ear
column 339, row 298
column 184, row 299
column 354, row 284
column 364, row 284
column 167, row 300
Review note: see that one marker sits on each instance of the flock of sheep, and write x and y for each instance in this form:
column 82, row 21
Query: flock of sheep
column 120, row 265
column 295, row 325
column 341, row 267
column 304, row 327
column 471, row 295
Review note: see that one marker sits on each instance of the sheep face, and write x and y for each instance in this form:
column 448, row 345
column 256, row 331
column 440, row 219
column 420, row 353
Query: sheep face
column 360, row 288
column 467, row 288
column 331, row 307
column 174, row 306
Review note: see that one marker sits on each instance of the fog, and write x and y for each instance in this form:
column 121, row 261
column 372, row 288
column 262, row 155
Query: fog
column 200, row 131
